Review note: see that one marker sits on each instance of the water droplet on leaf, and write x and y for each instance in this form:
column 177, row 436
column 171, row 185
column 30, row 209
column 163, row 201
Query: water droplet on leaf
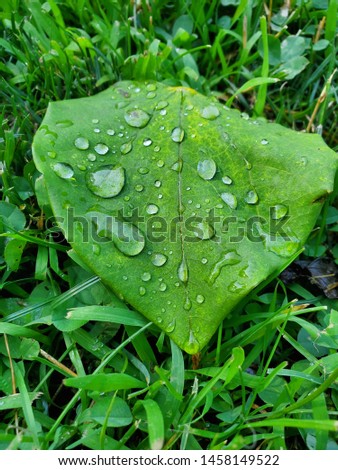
column 137, row 118
column 142, row 290
column 226, row 180
column 63, row 170
column 107, row 181
column 147, row 142
column 177, row 134
column 264, row 142
column 206, row 169
column 203, row 230
column 158, row 259
column 228, row 259
column 251, row 197
column 81, row 143
column 163, row 287
column 146, row 277
column 278, row 211
column 210, row 112
column 183, row 272
column 230, row 199
column 152, row 209
column 126, row 148
column 101, row 149
column 200, row 299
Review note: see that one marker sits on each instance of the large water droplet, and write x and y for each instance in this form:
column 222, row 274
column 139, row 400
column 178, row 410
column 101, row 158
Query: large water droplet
column 107, row 181
column 126, row 148
column 192, row 346
column 137, row 118
column 226, row 180
column 278, row 211
column 177, row 134
column 210, row 112
column 251, row 197
column 127, row 238
column 152, row 209
column 146, row 277
column 101, row 149
column 203, row 230
column 158, row 259
column 183, row 271
column 228, row 259
column 206, row 169
column 81, row 143
column 63, row 170
column 230, row 199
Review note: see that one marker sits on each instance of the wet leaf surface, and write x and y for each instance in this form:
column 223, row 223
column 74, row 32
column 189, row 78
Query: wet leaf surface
column 180, row 205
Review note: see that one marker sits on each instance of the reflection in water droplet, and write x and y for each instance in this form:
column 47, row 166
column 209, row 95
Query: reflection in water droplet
column 210, row 112
column 177, row 134
column 106, row 181
column 163, row 287
column 152, row 209
column 146, row 277
column 203, row 230
column 110, row 132
column 264, row 142
column 158, row 259
column 147, row 142
column 142, row 290
column 228, row 259
column 251, row 197
column 126, row 148
column 183, row 271
column 139, row 188
column 63, row 170
column 137, row 118
column 101, row 149
column 227, row 180
column 230, row 199
column 206, row 169
column 278, row 211
column 81, row 143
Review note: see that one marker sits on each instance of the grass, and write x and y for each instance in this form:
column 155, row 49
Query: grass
column 269, row 377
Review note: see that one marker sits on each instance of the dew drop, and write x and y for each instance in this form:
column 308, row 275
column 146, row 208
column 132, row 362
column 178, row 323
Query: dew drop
column 192, row 346
column 264, row 142
column 125, row 278
column 187, row 304
column 160, row 163
column 147, row 142
column 143, row 170
column 146, row 277
column 151, row 94
column 110, row 132
column 96, row 249
column 230, row 199
column 151, row 87
column 139, row 188
column 248, row 165
column 161, row 105
column 64, row 123
column 81, row 143
column 157, row 148
column 204, row 260
column 203, row 230
column 97, row 130
column 152, row 209
column 278, row 211
column 91, row 157
column 142, row 290
column 251, row 197
column 126, row 148
column 163, row 112
column 177, row 134
column 63, row 170
column 101, row 149
column 183, row 271
column 236, row 287
column 177, row 166
column 228, row 259
column 95, row 121
column 171, row 326
column 51, row 154
column 206, row 169
column 226, row 180
column 158, row 259
column 210, row 112
column 200, row 299
column 163, row 287
column 137, row 118
column 107, row 181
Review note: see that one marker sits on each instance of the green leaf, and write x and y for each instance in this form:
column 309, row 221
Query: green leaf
column 119, row 415
column 155, row 423
column 105, row 382
column 179, row 204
